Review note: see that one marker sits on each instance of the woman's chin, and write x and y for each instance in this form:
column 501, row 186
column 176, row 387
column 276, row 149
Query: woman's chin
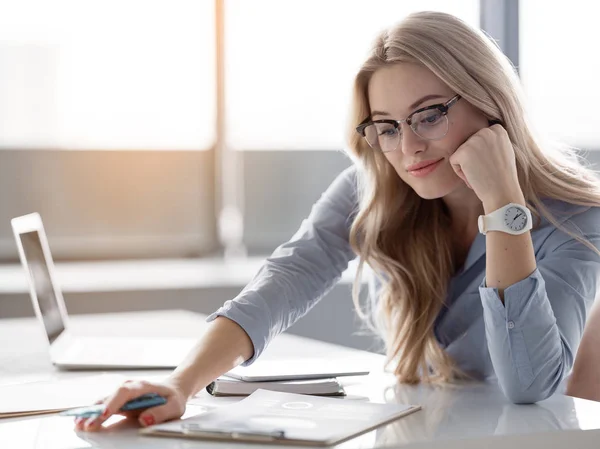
column 432, row 192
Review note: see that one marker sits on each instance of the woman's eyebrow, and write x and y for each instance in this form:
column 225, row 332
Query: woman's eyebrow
column 374, row 113
column 412, row 106
column 424, row 99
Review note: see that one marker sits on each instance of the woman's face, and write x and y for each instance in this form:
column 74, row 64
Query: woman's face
column 394, row 93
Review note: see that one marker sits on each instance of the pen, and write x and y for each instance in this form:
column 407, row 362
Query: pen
column 141, row 402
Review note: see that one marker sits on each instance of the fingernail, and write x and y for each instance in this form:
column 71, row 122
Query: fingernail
column 148, row 420
column 104, row 413
column 90, row 422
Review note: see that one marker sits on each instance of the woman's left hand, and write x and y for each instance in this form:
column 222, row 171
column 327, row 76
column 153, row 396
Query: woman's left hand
column 486, row 163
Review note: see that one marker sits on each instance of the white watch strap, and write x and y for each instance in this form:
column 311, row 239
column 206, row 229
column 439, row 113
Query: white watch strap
column 494, row 221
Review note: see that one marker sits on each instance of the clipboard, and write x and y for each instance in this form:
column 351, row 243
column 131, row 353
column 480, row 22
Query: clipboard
column 239, row 433
column 271, row 417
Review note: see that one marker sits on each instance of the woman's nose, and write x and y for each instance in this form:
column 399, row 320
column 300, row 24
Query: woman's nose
column 411, row 143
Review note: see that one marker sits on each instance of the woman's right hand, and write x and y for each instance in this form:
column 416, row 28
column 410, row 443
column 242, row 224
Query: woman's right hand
column 172, row 409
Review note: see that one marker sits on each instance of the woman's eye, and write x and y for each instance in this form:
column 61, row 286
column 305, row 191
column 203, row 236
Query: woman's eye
column 431, row 119
column 388, row 132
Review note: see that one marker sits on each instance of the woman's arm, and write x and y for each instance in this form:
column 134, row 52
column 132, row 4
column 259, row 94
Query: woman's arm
column 291, row 281
column 224, row 346
column 534, row 329
column 296, row 276
column 585, row 379
column 300, row 272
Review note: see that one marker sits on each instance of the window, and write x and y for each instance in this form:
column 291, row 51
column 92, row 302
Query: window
column 560, row 69
column 132, row 76
column 115, row 74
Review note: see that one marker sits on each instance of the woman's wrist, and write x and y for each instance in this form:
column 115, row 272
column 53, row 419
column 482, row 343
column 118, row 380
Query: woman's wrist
column 184, row 382
column 224, row 346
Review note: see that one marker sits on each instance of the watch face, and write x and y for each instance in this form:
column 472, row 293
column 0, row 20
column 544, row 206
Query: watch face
column 515, row 218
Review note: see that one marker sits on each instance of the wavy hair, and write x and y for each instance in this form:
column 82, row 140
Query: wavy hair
column 406, row 240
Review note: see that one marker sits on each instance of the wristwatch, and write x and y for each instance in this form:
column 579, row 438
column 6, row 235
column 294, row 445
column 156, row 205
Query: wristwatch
column 513, row 219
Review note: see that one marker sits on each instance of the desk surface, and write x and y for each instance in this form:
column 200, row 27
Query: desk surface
column 458, row 415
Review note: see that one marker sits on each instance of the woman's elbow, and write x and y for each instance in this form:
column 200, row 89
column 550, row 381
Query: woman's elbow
column 525, row 397
column 536, row 392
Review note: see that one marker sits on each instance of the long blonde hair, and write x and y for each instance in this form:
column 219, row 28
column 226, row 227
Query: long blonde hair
column 406, row 240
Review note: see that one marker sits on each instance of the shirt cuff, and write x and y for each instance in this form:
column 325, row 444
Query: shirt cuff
column 516, row 296
column 248, row 316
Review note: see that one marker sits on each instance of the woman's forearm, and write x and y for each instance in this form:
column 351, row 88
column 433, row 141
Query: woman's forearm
column 509, row 258
column 224, row 346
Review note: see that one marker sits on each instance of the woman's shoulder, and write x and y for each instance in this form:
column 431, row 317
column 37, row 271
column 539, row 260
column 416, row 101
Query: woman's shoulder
column 344, row 187
column 350, row 174
column 581, row 220
column 565, row 212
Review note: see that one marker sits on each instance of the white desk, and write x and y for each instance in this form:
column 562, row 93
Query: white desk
column 452, row 417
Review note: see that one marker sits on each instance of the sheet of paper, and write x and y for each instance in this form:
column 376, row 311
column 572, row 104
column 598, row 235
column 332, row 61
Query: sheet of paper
column 55, row 395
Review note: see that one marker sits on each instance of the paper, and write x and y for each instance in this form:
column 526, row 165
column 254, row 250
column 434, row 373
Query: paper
column 283, row 418
column 56, row 395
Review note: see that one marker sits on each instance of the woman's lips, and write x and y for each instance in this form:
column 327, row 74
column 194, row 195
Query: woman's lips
column 425, row 170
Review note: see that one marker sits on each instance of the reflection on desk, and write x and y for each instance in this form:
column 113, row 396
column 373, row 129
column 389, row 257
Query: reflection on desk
column 480, row 409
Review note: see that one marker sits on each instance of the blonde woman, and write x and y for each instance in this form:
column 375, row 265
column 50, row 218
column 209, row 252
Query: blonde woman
column 442, row 154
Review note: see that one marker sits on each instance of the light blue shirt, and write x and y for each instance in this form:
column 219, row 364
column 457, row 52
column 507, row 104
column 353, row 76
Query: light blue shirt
column 528, row 343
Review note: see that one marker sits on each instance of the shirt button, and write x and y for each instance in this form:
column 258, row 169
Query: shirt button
column 511, row 324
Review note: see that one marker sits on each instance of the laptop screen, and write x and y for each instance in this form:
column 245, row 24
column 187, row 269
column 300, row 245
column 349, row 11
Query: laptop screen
column 44, row 289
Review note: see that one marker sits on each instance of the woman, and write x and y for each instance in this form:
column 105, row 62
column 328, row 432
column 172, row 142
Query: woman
column 433, row 92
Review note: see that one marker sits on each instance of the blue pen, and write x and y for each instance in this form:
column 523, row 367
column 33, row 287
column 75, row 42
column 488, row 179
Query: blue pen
column 141, row 402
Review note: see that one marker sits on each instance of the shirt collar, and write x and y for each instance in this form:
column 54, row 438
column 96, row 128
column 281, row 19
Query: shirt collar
column 476, row 250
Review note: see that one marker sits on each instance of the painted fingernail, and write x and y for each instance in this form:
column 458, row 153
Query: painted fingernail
column 104, row 414
column 90, row 422
column 148, row 420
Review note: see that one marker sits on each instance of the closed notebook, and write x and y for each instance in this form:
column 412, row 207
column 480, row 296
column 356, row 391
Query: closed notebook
column 285, row 418
column 225, row 386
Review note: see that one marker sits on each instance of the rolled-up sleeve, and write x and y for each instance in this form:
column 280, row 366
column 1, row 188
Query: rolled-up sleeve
column 533, row 337
column 299, row 272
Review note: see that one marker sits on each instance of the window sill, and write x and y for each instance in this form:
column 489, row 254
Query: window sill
column 155, row 274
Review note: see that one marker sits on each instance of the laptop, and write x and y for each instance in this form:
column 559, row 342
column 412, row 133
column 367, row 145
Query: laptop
column 69, row 351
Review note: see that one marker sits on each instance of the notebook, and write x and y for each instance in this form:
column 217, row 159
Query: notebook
column 285, row 418
column 303, row 369
column 224, row 386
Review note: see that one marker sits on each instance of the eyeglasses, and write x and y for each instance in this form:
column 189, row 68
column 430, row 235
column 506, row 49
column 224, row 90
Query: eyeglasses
column 430, row 123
